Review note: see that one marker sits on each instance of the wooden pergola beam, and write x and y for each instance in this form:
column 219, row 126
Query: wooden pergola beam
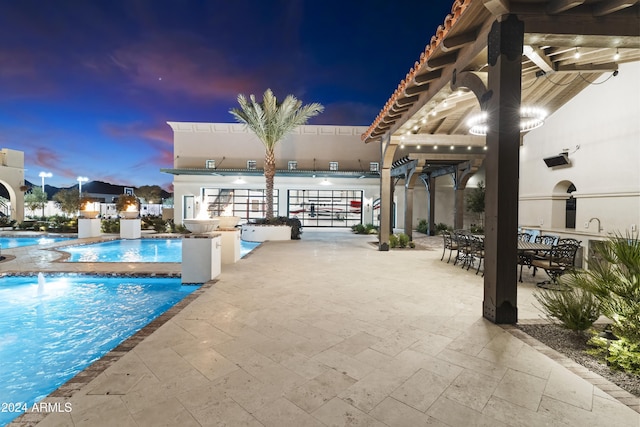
column 608, row 7
column 559, row 6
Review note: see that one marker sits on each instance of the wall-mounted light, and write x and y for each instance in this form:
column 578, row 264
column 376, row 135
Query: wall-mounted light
column 576, row 55
column 616, row 56
column 325, row 182
column 239, row 180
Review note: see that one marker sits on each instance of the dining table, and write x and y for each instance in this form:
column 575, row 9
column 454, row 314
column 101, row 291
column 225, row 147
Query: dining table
column 528, row 250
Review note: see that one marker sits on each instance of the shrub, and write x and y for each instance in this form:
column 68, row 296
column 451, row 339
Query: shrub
column 441, row 226
column 5, row 221
column 393, row 241
column 159, row 225
column 371, row 229
column 574, row 309
column 614, row 278
column 403, row 240
column 110, row 225
column 423, row 226
column 358, row 229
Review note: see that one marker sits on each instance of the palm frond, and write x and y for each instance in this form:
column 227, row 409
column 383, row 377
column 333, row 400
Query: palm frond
column 272, row 121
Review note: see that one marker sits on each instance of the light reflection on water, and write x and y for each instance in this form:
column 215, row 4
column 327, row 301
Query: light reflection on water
column 48, row 336
column 137, row 250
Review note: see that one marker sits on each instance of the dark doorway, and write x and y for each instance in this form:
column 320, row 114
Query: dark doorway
column 570, row 218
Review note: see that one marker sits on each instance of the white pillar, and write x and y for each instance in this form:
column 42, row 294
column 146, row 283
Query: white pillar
column 231, row 245
column 201, row 257
column 88, row 227
column 130, row 229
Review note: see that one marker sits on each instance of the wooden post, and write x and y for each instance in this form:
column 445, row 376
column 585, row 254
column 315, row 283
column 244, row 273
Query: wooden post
column 505, row 43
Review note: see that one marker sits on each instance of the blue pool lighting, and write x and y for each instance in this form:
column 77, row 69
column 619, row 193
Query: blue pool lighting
column 53, row 327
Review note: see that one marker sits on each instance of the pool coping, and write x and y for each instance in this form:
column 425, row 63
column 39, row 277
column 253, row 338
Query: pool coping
column 65, row 391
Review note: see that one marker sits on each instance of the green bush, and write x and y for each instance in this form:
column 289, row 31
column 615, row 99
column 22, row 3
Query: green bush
column 423, row 226
column 159, row 225
column 622, row 354
column 614, row 278
column 371, row 229
column 441, row 226
column 5, row 221
column 574, row 309
column 403, row 240
column 364, row 229
column 393, row 241
column 358, row 229
column 110, row 226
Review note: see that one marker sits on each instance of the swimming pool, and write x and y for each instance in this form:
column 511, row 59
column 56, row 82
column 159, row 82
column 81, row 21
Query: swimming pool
column 16, row 242
column 136, row 250
column 53, row 328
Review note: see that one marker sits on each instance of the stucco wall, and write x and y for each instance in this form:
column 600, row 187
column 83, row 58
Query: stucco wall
column 196, row 142
column 603, row 120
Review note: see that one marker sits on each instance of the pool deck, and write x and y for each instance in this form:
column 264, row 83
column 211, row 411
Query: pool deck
column 328, row 331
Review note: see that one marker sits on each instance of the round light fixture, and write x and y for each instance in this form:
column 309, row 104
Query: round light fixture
column 530, row 118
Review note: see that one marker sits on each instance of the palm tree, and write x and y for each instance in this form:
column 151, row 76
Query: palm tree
column 271, row 122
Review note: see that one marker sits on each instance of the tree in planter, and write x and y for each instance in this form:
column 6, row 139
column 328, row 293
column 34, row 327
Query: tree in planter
column 475, row 202
column 68, row 201
column 271, row 121
column 126, row 200
column 35, row 199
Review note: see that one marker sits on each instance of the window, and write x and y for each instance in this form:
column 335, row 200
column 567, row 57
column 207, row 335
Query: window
column 251, row 164
column 246, row 203
column 374, row 167
column 293, row 165
column 326, row 208
column 333, row 166
column 210, row 164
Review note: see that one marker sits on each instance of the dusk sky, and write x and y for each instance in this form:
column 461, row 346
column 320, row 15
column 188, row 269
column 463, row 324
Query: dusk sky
column 86, row 87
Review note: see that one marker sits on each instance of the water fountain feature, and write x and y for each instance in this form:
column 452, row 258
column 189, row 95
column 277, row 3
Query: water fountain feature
column 41, row 282
column 201, row 223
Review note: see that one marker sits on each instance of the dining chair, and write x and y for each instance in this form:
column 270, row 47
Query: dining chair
column 524, row 237
column 561, row 259
column 475, row 251
column 449, row 243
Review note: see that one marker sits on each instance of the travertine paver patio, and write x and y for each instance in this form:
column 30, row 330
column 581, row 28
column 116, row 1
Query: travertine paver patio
column 329, row 331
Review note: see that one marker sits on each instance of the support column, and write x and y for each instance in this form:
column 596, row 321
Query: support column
column 431, row 207
column 386, row 200
column 458, row 220
column 505, row 43
column 408, row 208
column 388, row 151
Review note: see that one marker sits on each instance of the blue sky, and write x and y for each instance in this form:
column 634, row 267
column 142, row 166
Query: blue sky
column 86, row 87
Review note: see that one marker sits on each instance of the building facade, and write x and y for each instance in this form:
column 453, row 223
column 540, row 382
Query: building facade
column 326, row 176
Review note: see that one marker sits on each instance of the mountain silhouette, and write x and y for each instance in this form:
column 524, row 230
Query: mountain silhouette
column 92, row 187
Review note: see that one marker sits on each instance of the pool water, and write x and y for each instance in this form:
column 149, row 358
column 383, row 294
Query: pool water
column 16, row 242
column 136, row 250
column 50, row 331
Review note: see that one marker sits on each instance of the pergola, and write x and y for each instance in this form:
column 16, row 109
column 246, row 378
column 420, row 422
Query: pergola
column 506, row 60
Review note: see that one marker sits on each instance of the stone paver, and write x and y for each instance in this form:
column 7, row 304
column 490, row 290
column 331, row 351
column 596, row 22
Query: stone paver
column 329, row 331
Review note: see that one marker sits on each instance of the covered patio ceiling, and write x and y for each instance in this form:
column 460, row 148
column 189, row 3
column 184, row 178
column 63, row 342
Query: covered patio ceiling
column 569, row 44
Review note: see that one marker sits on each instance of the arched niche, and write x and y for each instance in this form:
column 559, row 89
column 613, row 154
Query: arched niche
column 563, row 205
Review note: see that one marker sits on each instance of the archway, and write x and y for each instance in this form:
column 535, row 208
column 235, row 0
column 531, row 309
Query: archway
column 12, row 182
column 563, row 205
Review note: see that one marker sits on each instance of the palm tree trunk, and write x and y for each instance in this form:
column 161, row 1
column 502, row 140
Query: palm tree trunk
column 269, row 174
